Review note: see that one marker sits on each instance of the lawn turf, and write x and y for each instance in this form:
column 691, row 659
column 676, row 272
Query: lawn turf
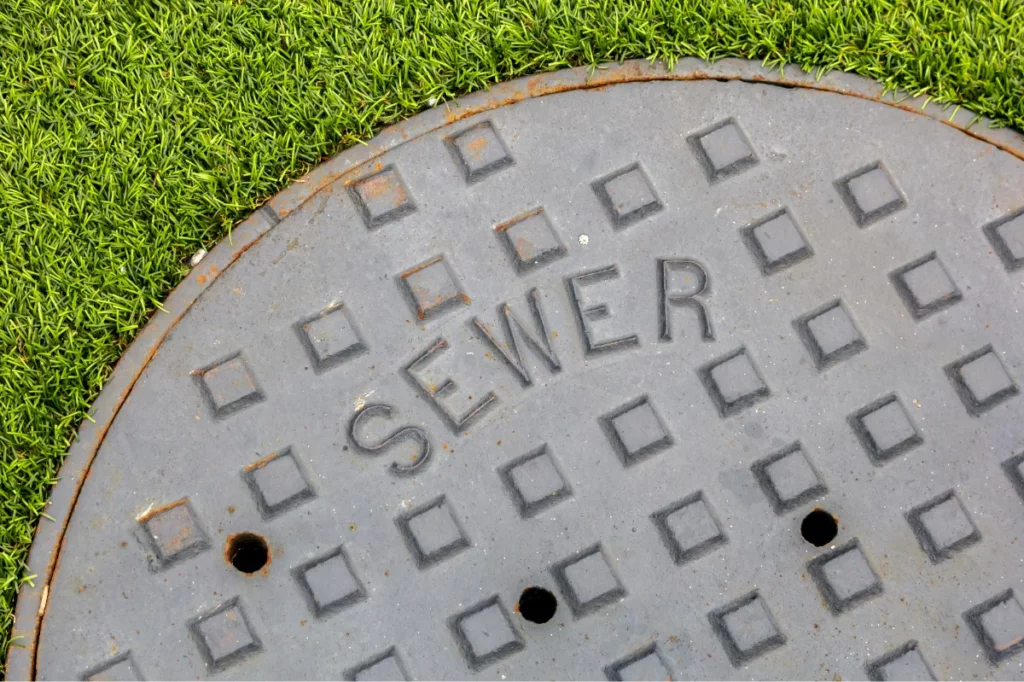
column 132, row 133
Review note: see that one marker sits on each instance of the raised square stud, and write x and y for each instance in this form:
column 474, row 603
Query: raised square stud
column 644, row 664
column 485, row 633
column 329, row 583
column 981, row 381
column 1007, row 238
column 228, row 386
column 120, row 667
column 788, row 478
column 224, row 635
column 383, row 667
column 627, row 195
column 1014, row 468
column 636, row 431
column 925, row 287
column 776, row 242
column 689, row 528
column 733, row 382
column 904, row 663
column 943, row 527
column 330, row 338
column 479, row 152
column 432, row 533
column 173, row 534
column 830, row 334
column 884, row 429
column 870, row 194
column 723, row 150
column 277, row 483
column 844, row 577
column 998, row 625
column 432, row 288
column 746, row 628
column 382, row 198
column 530, row 241
column 588, row 581
column 535, row 482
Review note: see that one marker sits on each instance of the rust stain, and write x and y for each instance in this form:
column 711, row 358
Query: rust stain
column 377, row 185
column 822, row 509
column 181, row 540
column 519, row 218
column 398, row 197
column 422, row 293
column 536, row 87
column 423, row 266
column 259, row 465
column 1003, row 646
column 477, row 147
column 525, row 246
column 150, row 513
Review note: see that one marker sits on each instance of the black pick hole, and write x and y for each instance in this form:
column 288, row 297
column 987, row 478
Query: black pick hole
column 247, row 552
column 819, row 528
column 537, row 605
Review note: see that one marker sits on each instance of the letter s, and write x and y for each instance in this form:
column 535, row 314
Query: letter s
column 404, row 433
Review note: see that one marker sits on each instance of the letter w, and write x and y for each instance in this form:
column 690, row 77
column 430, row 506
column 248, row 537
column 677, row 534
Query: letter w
column 516, row 331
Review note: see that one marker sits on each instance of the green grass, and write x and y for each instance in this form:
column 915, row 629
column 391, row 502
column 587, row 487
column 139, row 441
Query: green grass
column 133, row 132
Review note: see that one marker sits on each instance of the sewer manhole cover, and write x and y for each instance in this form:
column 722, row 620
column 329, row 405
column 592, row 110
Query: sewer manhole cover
column 666, row 379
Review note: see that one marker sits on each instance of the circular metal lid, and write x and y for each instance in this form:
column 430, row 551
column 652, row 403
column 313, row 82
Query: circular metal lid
column 725, row 375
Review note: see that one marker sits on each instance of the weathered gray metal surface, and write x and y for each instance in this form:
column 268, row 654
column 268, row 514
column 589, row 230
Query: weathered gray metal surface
column 727, row 304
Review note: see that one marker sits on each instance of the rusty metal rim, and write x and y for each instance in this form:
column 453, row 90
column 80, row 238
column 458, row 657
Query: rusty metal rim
column 44, row 556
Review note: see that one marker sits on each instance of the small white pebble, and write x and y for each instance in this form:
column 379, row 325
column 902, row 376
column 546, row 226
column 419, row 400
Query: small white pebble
column 584, row 239
column 197, row 257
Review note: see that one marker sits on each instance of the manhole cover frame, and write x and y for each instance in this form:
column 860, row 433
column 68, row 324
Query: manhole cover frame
column 44, row 554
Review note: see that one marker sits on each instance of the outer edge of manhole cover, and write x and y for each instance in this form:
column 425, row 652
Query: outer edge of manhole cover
column 44, row 555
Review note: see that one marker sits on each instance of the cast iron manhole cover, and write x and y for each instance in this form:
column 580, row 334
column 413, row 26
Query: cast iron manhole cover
column 664, row 379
